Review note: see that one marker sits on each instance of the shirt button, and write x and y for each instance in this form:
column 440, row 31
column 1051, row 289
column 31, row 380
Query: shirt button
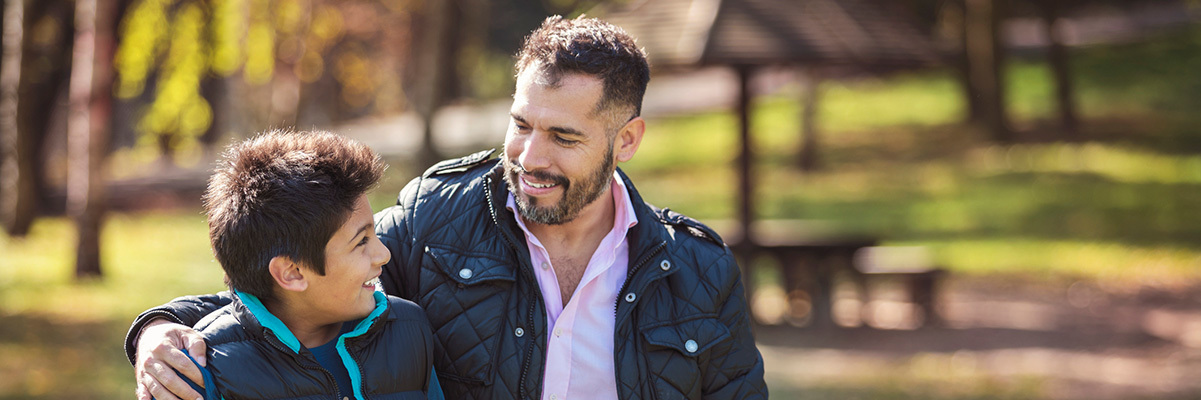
column 630, row 297
column 465, row 273
column 554, row 397
column 665, row 265
column 558, row 331
column 519, row 332
column 690, row 345
column 545, row 265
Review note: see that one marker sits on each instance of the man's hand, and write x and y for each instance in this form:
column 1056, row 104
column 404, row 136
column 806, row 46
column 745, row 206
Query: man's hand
column 159, row 357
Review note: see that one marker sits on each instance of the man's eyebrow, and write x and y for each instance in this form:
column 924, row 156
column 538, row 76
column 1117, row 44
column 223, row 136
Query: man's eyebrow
column 564, row 130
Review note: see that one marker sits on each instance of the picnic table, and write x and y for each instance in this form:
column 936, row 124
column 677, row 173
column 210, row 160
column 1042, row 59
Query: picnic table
column 811, row 254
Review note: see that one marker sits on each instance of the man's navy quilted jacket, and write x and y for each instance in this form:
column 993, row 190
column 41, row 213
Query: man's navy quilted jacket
column 682, row 328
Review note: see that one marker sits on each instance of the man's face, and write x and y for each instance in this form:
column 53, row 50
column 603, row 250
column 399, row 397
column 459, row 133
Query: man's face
column 353, row 260
column 558, row 155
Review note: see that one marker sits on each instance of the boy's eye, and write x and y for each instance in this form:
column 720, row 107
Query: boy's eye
column 362, row 242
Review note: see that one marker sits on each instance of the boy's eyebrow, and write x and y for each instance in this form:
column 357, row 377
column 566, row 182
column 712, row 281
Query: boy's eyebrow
column 564, row 130
column 361, row 229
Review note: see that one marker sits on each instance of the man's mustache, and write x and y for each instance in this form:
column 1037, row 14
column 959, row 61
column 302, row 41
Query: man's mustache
column 516, row 167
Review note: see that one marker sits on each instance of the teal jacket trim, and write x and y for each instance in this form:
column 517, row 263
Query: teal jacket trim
column 289, row 339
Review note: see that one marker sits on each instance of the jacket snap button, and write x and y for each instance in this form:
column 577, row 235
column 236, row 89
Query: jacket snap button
column 630, row 297
column 690, row 345
column 465, row 273
column 519, row 332
column 665, row 265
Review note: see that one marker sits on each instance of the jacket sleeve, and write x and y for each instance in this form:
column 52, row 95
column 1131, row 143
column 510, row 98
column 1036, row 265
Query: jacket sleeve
column 393, row 227
column 736, row 367
column 187, row 310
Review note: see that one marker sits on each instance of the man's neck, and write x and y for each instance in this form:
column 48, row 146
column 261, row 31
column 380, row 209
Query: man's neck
column 588, row 228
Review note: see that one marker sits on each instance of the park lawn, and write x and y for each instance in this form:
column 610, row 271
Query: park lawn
column 1118, row 209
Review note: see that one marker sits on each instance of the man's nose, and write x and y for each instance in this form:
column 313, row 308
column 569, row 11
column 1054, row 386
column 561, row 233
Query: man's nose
column 535, row 152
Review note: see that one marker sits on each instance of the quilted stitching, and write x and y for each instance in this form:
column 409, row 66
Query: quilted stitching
column 479, row 357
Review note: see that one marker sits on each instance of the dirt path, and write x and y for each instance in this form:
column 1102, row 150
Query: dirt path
column 1004, row 340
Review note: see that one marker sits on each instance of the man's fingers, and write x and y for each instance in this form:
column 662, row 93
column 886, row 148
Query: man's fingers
column 168, row 379
column 141, row 392
column 178, row 361
column 155, row 389
column 194, row 343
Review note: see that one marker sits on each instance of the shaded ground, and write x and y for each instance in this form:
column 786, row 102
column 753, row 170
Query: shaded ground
column 1004, row 339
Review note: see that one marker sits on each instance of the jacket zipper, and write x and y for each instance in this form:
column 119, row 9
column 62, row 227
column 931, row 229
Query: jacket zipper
column 630, row 274
column 529, row 352
column 305, row 364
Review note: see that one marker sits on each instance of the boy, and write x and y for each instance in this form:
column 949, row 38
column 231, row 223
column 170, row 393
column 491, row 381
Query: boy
column 290, row 223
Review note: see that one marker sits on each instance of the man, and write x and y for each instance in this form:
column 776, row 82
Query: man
column 543, row 273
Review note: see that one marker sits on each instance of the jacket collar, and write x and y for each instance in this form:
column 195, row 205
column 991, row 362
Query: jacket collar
column 256, row 319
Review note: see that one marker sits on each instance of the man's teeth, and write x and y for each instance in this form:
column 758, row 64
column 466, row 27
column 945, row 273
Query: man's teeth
column 373, row 282
column 539, row 185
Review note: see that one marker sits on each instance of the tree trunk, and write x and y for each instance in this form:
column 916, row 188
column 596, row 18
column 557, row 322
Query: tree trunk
column 1057, row 57
column 435, row 72
column 18, row 189
column 809, row 160
column 954, row 26
column 88, row 127
column 985, row 57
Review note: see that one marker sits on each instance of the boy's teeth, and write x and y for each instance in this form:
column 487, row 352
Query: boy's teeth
column 373, row 282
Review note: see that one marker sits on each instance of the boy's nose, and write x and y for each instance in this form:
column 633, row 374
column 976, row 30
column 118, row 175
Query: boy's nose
column 380, row 254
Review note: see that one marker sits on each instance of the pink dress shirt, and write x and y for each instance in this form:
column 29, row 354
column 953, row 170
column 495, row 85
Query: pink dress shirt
column 579, row 356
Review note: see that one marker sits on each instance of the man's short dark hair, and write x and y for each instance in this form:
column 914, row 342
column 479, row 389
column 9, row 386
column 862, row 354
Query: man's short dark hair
column 593, row 47
column 283, row 194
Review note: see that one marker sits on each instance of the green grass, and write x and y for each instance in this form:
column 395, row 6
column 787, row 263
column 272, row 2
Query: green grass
column 1118, row 208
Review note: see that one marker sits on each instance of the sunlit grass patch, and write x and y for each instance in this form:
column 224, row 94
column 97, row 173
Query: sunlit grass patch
column 147, row 259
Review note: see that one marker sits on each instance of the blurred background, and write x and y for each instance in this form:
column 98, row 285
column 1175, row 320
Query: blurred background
column 932, row 199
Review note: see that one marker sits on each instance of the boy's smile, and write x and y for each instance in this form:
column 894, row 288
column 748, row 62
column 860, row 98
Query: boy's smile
column 353, row 260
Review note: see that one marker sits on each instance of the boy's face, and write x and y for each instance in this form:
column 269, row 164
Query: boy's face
column 353, row 260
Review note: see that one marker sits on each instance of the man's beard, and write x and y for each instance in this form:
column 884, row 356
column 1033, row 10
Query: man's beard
column 576, row 194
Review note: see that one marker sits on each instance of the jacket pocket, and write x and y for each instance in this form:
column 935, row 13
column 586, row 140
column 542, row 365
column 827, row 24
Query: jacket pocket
column 676, row 354
column 690, row 336
column 467, row 304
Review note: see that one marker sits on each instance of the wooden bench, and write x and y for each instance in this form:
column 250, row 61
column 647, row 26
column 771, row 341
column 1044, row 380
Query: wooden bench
column 812, row 253
column 911, row 265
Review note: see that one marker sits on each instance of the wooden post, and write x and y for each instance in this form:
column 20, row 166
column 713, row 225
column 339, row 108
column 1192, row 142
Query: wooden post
column 1057, row 57
column 746, row 188
column 808, row 159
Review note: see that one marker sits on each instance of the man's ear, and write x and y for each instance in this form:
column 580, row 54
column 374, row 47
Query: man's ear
column 628, row 139
column 288, row 274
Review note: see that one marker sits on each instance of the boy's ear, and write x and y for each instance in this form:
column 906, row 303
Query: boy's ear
column 288, row 274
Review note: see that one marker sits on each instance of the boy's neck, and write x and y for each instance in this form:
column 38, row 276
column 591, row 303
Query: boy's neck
column 310, row 332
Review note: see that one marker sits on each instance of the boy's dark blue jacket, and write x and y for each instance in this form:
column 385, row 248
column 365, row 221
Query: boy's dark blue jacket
column 252, row 355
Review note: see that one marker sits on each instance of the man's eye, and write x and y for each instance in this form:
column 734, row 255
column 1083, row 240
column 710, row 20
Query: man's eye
column 566, row 142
